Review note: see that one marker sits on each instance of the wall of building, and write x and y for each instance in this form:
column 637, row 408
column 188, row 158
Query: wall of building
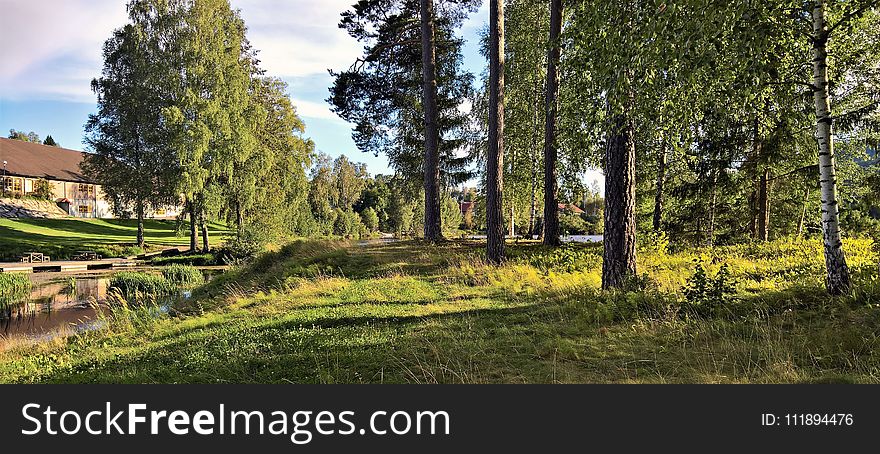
column 84, row 200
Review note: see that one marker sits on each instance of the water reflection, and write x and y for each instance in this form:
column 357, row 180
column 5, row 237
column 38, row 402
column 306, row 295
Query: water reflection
column 58, row 304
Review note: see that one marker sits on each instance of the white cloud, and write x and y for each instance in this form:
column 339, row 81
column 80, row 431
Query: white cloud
column 52, row 52
column 298, row 38
column 309, row 109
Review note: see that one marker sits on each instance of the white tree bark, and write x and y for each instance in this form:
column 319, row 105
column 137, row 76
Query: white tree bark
column 837, row 279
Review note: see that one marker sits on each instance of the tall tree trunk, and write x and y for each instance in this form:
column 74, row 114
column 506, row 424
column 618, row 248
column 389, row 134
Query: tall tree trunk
column 204, row 227
column 551, row 105
column 534, row 201
column 619, row 256
column 239, row 218
column 193, row 235
column 433, row 230
column 754, row 197
column 800, row 228
column 661, row 179
column 713, row 199
column 763, row 205
column 202, row 224
column 494, row 177
column 838, row 278
column 140, row 223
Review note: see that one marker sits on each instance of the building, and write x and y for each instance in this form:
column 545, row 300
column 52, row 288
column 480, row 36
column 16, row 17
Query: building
column 26, row 163
column 570, row 207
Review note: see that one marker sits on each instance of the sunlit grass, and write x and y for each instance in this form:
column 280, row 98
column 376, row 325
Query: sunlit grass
column 412, row 312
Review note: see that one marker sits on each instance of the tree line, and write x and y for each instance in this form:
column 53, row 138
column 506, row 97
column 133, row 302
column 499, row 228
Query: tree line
column 186, row 116
column 712, row 120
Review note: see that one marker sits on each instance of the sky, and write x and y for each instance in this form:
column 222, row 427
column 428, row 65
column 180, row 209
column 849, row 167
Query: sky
column 51, row 50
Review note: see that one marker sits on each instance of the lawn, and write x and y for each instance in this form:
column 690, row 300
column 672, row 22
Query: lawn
column 60, row 238
column 330, row 312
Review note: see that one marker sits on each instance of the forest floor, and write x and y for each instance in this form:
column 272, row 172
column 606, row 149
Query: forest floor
column 61, row 238
column 330, row 312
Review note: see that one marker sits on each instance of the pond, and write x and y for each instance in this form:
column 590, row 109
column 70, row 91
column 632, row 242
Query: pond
column 56, row 306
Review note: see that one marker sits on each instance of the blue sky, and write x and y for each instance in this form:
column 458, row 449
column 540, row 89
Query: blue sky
column 50, row 58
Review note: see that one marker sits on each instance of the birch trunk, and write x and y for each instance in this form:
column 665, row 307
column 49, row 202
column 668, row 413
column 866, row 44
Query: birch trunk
column 433, row 231
column 837, row 273
column 551, row 104
column 494, row 176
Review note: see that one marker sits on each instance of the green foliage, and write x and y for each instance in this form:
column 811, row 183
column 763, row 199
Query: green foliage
column 188, row 259
column 14, row 288
column 24, row 137
column 452, row 318
column 183, row 276
column 42, row 189
column 450, row 214
column 348, row 224
column 51, row 142
column 132, row 283
column 568, row 258
column 707, row 293
column 370, row 219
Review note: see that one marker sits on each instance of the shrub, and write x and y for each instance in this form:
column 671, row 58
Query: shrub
column 42, row 189
column 242, row 247
column 133, row 282
column 707, row 293
column 370, row 219
column 183, row 276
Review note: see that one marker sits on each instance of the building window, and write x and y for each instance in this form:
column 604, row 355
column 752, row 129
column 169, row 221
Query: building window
column 84, row 209
column 16, row 185
column 160, row 212
column 86, row 189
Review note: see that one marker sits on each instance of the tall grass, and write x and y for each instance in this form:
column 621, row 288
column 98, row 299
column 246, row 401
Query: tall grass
column 183, row 276
column 14, row 288
column 131, row 283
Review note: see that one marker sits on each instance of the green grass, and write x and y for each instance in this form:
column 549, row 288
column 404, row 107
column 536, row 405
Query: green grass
column 133, row 283
column 328, row 312
column 13, row 289
column 62, row 238
column 183, row 276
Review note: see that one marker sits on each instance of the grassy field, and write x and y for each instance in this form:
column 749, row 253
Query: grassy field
column 330, row 312
column 60, row 238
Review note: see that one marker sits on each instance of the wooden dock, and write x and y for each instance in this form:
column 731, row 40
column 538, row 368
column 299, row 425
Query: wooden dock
column 63, row 266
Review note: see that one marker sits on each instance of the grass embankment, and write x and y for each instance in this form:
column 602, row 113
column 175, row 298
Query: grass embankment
column 411, row 312
column 62, row 238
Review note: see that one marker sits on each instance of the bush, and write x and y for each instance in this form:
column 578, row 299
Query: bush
column 370, row 219
column 572, row 224
column 42, row 189
column 348, row 224
column 242, row 247
column 183, row 276
column 133, row 282
column 706, row 293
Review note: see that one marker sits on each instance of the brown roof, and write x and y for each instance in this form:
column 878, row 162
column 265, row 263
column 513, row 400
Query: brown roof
column 570, row 207
column 27, row 159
